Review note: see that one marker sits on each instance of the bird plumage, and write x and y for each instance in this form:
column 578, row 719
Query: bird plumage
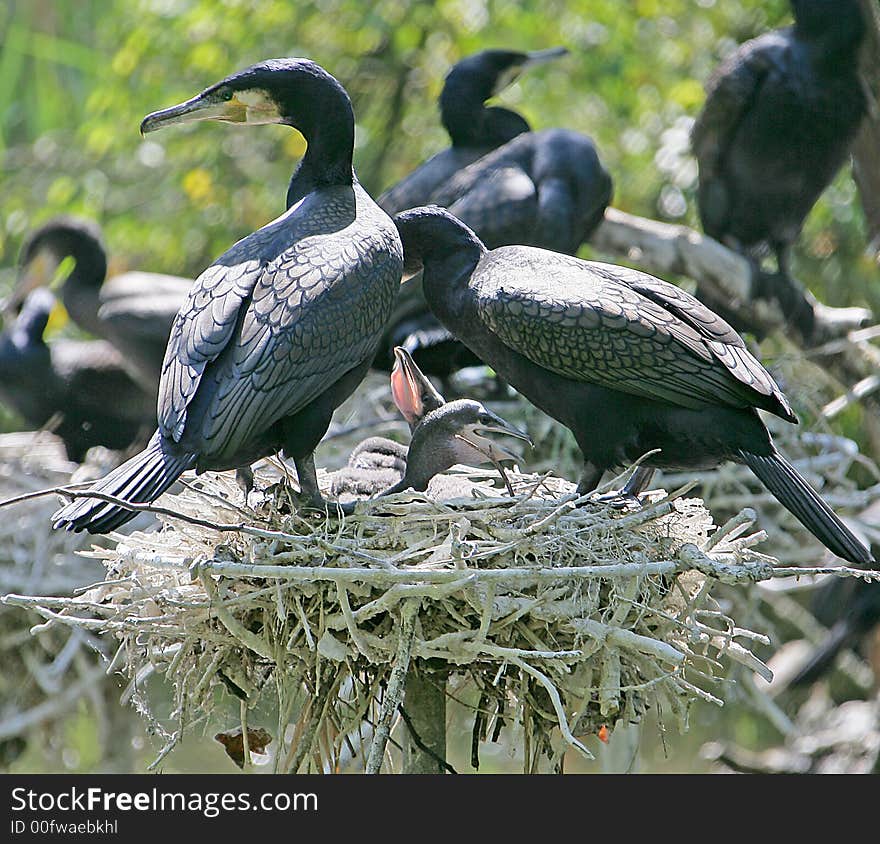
column 626, row 361
column 65, row 384
column 778, row 123
column 547, row 188
column 282, row 327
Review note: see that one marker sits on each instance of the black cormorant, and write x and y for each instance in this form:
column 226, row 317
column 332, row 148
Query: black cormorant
column 76, row 388
column 627, row 362
column 779, row 119
column 474, row 128
column 133, row 310
column 281, row 329
column 545, row 188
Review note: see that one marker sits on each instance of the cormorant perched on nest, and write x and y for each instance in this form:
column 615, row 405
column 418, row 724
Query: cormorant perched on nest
column 780, row 116
column 281, row 329
column 133, row 310
column 627, row 362
column 64, row 386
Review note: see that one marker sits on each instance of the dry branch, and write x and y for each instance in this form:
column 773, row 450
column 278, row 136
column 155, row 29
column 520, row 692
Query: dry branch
column 573, row 606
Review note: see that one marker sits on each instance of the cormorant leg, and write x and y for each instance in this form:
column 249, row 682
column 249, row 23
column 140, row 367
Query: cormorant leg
column 589, row 480
column 631, row 490
column 794, row 301
column 244, row 477
column 639, row 482
column 309, row 493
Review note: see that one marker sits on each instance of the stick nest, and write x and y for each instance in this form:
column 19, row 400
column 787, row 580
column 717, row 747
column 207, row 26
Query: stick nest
column 47, row 670
column 565, row 618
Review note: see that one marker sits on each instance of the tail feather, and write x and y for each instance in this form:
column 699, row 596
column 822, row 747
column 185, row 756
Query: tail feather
column 796, row 495
column 822, row 657
column 139, row 481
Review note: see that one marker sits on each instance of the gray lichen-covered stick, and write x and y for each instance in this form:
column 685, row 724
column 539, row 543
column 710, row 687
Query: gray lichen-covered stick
column 281, row 329
column 627, row 362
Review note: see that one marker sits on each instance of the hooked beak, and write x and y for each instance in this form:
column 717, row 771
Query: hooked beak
column 409, row 385
column 405, row 387
column 533, row 59
column 493, row 451
column 537, row 57
column 247, row 106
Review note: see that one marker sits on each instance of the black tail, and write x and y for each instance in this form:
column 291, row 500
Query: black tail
column 796, row 495
column 822, row 657
column 139, row 480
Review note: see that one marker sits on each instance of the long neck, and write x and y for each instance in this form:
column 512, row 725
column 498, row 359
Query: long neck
column 330, row 138
column 82, row 288
column 447, row 251
column 470, row 123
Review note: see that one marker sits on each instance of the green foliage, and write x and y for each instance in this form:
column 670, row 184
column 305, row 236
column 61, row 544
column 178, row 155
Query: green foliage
column 76, row 78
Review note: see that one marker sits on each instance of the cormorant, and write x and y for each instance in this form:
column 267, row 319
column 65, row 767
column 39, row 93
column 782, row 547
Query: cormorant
column 627, row 362
column 443, row 434
column 281, row 329
column 451, row 434
column 474, row 128
column 546, row 189
column 65, row 386
column 779, row 119
column 133, row 311
column 378, row 462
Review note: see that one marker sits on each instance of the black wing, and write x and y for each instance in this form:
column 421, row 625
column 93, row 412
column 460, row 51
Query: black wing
column 733, row 87
column 280, row 317
column 621, row 329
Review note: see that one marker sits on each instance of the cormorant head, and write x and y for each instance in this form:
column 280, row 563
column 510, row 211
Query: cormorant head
column 46, row 248
column 431, row 232
column 834, row 22
column 475, row 79
column 30, row 324
column 413, row 393
column 294, row 91
column 457, row 432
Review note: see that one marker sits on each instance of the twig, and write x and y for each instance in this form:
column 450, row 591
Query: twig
column 394, row 689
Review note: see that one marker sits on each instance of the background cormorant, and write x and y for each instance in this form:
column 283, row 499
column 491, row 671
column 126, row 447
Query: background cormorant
column 545, row 188
column 474, row 128
column 281, row 328
column 780, row 116
column 627, row 362
column 133, row 310
column 64, row 386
